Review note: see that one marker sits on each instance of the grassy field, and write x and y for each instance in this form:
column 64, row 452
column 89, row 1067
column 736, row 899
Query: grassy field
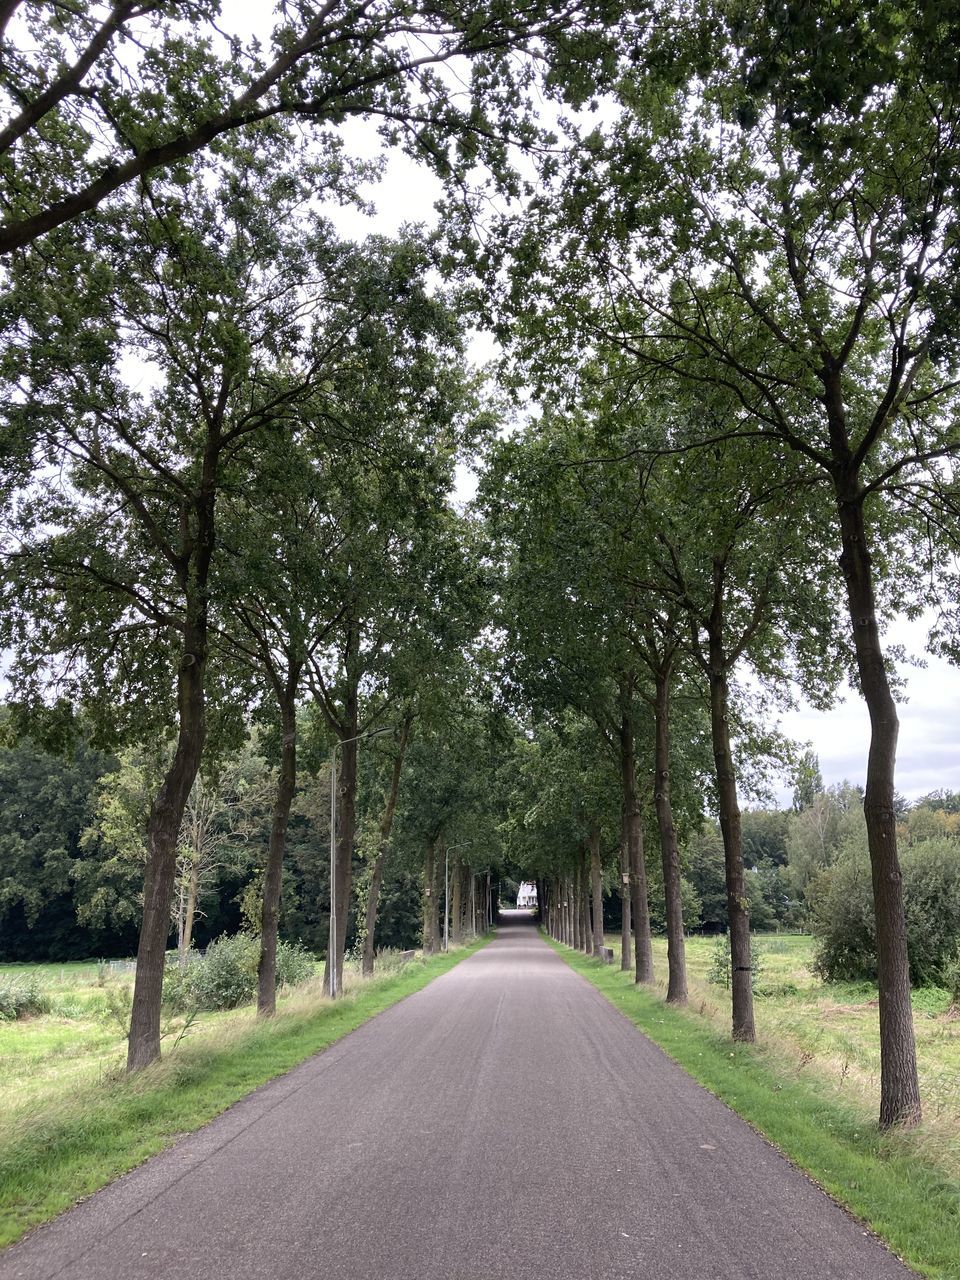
column 71, row 1120
column 810, row 1084
column 831, row 1029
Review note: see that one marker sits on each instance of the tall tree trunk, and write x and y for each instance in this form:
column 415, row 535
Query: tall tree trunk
column 344, row 838
column 633, row 842
column 741, row 977
column 190, row 910
column 596, row 888
column 166, row 812
column 586, row 931
column 577, row 941
column 642, row 942
column 386, row 826
column 273, row 875
column 899, row 1086
column 163, row 830
column 181, row 915
column 626, row 901
column 430, row 900
column 456, row 905
column 670, row 857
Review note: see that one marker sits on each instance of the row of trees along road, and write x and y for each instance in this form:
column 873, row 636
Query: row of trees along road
column 229, row 435
column 179, row 137
column 261, row 347
column 768, row 231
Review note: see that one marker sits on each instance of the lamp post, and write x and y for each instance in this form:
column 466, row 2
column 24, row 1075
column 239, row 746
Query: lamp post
column 332, row 945
column 446, row 890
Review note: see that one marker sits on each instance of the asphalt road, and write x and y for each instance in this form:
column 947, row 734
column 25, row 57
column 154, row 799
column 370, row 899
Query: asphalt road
column 506, row 1121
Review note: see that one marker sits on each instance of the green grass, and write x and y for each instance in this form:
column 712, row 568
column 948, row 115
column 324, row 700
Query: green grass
column 68, row 973
column 58, row 1147
column 832, row 1029
column 884, row 1179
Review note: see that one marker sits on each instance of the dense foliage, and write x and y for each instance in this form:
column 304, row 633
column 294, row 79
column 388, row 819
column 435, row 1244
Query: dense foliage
column 718, row 456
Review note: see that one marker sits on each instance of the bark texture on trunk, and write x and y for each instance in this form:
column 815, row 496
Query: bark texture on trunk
column 189, row 914
column 456, row 904
column 596, row 889
column 670, row 857
column 166, row 811
column 586, row 928
column 346, row 837
column 163, row 830
column 899, row 1085
column 273, row 875
column 346, row 784
column 626, row 899
column 642, row 943
column 577, row 941
column 633, row 841
column 430, row 900
column 741, row 976
column 383, row 844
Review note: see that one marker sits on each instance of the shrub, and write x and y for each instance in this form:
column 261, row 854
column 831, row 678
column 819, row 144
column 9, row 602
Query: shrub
column 842, row 914
column 226, row 976
column 117, row 1007
column 295, row 964
column 22, row 998
column 177, row 988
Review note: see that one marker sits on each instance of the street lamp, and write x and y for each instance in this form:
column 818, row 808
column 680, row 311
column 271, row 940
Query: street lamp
column 332, row 945
column 446, row 890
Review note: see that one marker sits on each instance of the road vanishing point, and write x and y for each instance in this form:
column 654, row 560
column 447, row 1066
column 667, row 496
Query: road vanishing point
column 505, row 1121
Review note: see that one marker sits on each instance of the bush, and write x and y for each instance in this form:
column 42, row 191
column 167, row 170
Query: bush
column 226, row 975
column 22, row 998
column 295, row 964
column 117, row 1007
column 842, row 914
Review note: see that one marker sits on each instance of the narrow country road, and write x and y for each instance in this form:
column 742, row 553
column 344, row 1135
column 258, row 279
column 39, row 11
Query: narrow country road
column 506, row 1121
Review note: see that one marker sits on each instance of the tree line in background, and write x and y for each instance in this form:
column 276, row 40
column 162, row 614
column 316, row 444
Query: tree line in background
column 719, row 453
column 72, row 853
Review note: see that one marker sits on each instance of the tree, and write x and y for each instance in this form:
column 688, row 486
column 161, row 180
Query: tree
column 809, row 781
column 221, row 830
column 560, row 818
column 401, row 740
column 400, row 583
column 567, row 622
column 765, row 836
column 96, row 100
column 121, row 518
column 46, row 802
column 778, row 219
column 450, row 803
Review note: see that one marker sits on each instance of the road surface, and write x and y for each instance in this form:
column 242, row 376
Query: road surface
column 506, row 1121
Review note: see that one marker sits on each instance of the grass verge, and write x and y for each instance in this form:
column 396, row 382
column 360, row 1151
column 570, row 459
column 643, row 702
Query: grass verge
column 59, row 1152
column 876, row 1176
